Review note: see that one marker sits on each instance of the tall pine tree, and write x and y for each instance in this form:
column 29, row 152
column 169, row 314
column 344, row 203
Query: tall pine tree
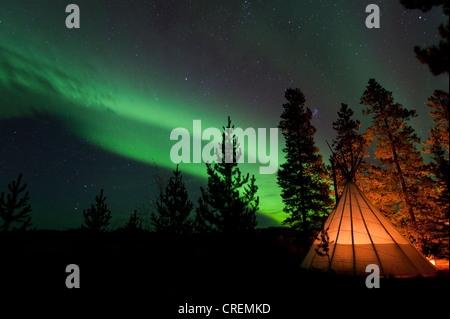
column 229, row 203
column 349, row 145
column 438, row 145
column 302, row 178
column 173, row 207
column 436, row 57
column 395, row 141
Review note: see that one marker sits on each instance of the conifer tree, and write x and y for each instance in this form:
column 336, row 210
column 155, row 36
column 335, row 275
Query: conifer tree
column 173, row 207
column 229, row 203
column 382, row 189
column 436, row 57
column 438, row 145
column 13, row 209
column 395, row 141
column 97, row 217
column 349, row 146
column 305, row 190
column 133, row 223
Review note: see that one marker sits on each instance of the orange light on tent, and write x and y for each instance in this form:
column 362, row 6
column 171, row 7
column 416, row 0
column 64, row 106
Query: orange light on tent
column 359, row 235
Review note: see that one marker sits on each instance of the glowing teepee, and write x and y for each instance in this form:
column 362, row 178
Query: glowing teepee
column 359, row 235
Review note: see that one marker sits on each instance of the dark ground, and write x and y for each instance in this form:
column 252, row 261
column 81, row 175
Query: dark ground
column 152, row 275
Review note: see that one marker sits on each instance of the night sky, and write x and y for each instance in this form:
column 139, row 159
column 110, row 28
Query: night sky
column 91, row 108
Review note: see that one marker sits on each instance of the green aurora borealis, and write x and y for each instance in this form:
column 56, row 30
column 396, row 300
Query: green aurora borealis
column 134, row 71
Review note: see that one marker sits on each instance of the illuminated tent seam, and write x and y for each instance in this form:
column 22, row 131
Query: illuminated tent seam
column 375, row 241
column 368, row 233
column 369, row 204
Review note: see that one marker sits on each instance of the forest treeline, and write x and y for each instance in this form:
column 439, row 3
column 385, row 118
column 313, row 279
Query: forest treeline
column 405, row 177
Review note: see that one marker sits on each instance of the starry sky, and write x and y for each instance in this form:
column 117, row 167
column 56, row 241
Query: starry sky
column 91, row 108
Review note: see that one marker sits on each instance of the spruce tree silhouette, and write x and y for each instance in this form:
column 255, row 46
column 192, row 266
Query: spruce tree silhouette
column 303, row 177
column 15, row 210
column 229, row 203
column 349, row 145
column 174, row 207
column 97, row 217
column 133, row 223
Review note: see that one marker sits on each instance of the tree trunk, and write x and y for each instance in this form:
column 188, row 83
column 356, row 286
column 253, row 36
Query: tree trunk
column 404, row 189
column 400, row 176
column 334, row 180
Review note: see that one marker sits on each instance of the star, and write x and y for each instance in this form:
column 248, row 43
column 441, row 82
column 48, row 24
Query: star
column 111, row 93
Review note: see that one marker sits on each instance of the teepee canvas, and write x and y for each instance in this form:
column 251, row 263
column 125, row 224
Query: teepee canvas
column 358, row 235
